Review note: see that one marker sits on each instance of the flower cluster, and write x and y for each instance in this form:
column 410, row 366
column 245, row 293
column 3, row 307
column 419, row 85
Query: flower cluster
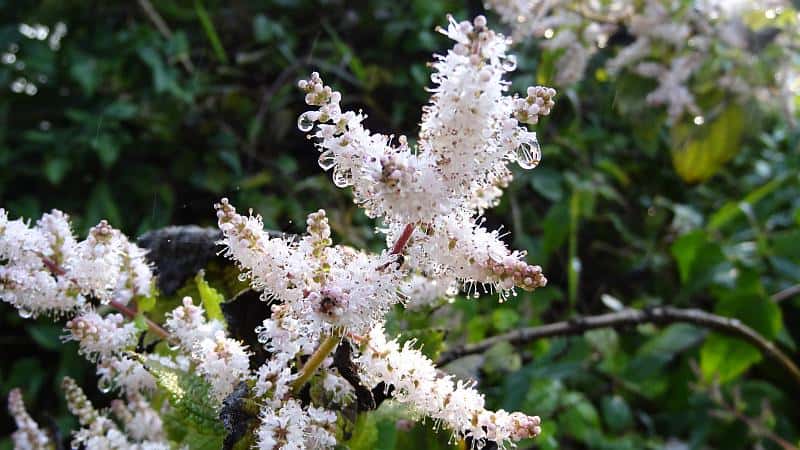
column 28, row 435
column 142, row 428
column 671, row 42
column 323, row 297
column 458, row 405
column 47, row 271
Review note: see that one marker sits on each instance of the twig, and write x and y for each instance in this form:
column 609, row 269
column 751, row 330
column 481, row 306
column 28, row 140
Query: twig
column 786, row 294
column 342, row 360
column 659, row 315
column 131, row 314
column 403, row 239
column 165, row 31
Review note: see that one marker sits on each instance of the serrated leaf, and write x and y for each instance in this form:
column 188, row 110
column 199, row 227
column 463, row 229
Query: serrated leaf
column 193, row 418
column 211, row 298
column 365, row 433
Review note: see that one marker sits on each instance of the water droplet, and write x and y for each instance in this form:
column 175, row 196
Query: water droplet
column 25, row 313
column 342, row 177
column 529, row 154
column 510, row 63
column 19, row 85
column 304, row 122
column 105, row 385
column 327, row 160
column 174, row 347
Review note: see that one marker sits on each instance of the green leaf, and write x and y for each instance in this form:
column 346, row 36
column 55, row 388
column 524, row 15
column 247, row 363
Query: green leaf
column 146, row 304
column 504, row 319
column 502, row 357
column 210, row 297
column 733, row 209
column 616, row 413
column 699, row 151
column 548, row 183
column 84, row 71
column 106, row 148
column 698, row 258
column 580, row 419
column 554, row 233
column 365, row 433
column 55, row 169
column 46, row 335
column 211, row 32
column 659, row 350
column 724, row 358
column 193, row 418
column 685, row 251
column 101, row 205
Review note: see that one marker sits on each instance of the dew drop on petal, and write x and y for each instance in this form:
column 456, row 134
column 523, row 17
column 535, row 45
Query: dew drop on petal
column 105, row 385
column 529, row 154
column 342, row 177
column 25, row 313
column 327, row 160
column 510, row 63
column 304, row 122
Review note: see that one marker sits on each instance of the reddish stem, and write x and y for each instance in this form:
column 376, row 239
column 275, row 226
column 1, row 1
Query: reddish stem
column 129, row 312
column 403, row 239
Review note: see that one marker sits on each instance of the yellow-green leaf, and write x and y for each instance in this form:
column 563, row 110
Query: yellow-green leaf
column 699, row 151
column 211, row 298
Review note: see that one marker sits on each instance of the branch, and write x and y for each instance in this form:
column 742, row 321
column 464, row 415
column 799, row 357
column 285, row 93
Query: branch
column 131, row 314
column 660, row 315
column 342, row 360
column 163, row 28
column 786, row 294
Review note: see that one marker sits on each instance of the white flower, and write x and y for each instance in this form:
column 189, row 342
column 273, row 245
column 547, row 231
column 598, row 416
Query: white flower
column 187, row 324
column 418, row 384
column 28, row 435
column 292, row 427
column 101, row 336
column 46, row 271
column 469, row 132
column 421, row 291
column 223, row 362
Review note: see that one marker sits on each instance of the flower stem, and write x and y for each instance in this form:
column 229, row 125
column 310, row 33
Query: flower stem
column 403, row 239
column 131, row 314
column 325, row 348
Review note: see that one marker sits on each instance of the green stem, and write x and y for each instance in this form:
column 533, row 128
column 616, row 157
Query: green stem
column 310, row 367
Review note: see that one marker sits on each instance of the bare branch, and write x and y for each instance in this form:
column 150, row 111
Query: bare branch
column 786, row 294
column 659, row 315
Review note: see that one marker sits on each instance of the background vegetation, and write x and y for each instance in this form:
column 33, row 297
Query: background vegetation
column 147, row 123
